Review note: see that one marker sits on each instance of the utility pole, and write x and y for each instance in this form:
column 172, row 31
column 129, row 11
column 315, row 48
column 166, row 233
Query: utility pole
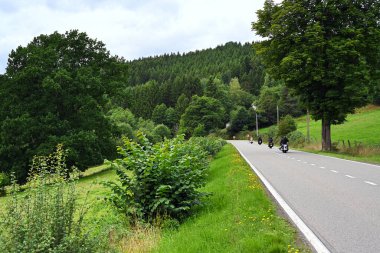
column 257, row 122
column 278, row 117
column 307, row 126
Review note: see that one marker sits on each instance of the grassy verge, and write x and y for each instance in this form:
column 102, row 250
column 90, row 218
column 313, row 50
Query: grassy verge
column 238, row 217
column 101, row 219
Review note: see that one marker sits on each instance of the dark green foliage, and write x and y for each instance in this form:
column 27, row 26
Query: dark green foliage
column 327, row 51
column 202, row 110
column 159, row 114
column 53, row 92
column 286, row 125
column 161, row 132
column 46, row 217
column 4, row 181
column 199, row 131
column 158, row 180
column 239, row 119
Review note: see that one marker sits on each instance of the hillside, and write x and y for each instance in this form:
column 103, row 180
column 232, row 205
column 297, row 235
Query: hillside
column 363, row 126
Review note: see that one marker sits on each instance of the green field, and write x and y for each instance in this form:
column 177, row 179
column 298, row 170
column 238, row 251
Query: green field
column 363, row 126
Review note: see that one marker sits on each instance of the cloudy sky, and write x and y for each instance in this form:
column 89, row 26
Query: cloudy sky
column 130, row 28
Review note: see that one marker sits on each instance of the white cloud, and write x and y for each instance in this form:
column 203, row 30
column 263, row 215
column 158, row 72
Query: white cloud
column 132, row 28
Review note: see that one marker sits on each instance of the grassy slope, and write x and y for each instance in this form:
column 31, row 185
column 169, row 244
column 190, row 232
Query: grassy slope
column 239, row 216
column 364, row 126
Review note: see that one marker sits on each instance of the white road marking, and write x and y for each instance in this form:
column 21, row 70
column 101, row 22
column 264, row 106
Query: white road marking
column 312, row 164
column 305, row 162
column 322, row 167
column 293, row 158
column 298, row 160
column 349, row 176
column 334, row 171
column 369, row 182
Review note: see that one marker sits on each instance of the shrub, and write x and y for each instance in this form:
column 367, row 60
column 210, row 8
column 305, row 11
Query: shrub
column 158, row 180
column 42, row 218
column 161, row 132
column 296, row 138
column 211, row 145
column 286, row 125
column 4, row 181
column 200, row 130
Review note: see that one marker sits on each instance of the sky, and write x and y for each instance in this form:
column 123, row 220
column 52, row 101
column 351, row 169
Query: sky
column 130, row 28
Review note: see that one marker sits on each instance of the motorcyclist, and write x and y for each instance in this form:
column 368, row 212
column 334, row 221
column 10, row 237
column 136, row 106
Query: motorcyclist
column 259, row 140
column 283, row 141
column 270, row 141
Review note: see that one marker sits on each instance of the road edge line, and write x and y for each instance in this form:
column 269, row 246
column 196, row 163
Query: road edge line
column 310, row 236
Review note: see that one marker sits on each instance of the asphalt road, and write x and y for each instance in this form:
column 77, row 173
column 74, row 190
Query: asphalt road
column 338, row 200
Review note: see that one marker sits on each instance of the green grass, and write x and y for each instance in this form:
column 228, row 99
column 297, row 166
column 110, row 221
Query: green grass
column 101, row 219
column 364, row 127
column 238, row 217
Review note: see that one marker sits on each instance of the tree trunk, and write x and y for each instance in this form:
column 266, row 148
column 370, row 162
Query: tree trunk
column 326, row 135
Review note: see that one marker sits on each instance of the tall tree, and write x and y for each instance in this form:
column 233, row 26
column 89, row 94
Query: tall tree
column 54, row 92
column 327, row 51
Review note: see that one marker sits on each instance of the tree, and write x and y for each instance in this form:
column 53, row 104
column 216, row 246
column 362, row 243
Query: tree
column 159, row 114
column 327, row 51
column 202, row 110
column 239, row 119
column 286, row 125
column 54, row 91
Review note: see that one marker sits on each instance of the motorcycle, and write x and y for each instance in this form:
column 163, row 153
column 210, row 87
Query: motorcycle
column 270, row 144
column 260, row 141
column 284, row 148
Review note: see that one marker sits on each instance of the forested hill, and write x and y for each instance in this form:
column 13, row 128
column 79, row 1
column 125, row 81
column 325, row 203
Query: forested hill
column 163, row 79
column 225, row 62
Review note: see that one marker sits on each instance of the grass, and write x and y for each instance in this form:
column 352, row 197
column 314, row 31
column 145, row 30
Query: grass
column 238, row 217
column 363, row 127
column 101, row 219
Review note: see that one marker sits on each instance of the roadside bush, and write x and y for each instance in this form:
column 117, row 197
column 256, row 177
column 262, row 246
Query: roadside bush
column 160, row 180
column 45, row 218
column 272, row 131
column 296, row 138
column 286, row 125
column 4, row 181
column 199, row 131
column 211, row 145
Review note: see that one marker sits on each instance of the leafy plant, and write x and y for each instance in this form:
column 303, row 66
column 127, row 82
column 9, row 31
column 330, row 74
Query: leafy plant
column 211, row 145
column 4, row 181
column 45, row 218
column 286, row 125
column 158, row 180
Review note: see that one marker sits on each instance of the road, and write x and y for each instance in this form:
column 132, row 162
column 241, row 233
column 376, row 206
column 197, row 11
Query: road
column 338, row 200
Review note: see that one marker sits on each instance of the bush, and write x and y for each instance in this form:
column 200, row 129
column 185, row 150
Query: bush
column 199, row 131
column 211, row 145
column 161, row 132
column 42, row 218
column 296, row 138
column 160, row 180
column 286, row 125
column 4, row 181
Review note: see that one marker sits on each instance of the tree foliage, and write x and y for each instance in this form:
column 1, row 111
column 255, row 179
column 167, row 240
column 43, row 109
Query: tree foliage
column 202, row 110
column 53, row 92
column 327, row 51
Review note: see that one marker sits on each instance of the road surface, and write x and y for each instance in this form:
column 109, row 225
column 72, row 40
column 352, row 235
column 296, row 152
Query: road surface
column 338, row 200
